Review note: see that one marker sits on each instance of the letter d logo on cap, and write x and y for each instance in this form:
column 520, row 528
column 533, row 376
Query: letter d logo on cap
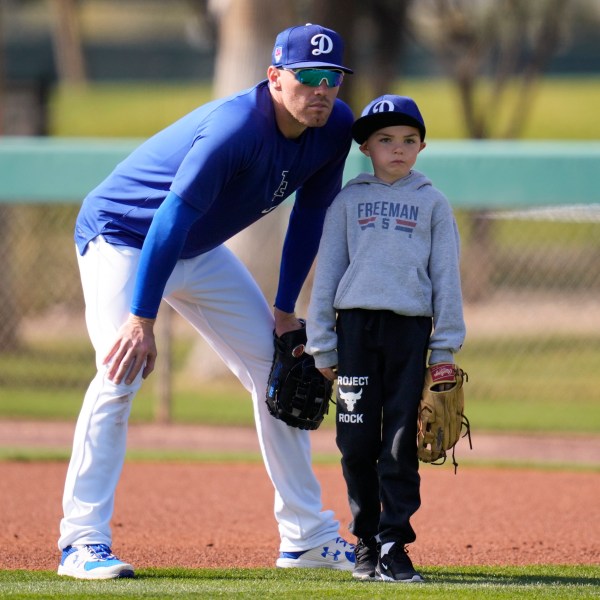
column 323, row 42
column 383, row 106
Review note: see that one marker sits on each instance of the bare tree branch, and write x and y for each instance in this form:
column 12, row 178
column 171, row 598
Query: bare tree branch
column 68, row 49
column 499, row 41
column 545, row 41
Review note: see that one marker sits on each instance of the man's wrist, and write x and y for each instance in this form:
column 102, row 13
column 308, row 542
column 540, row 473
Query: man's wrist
column 141, row 320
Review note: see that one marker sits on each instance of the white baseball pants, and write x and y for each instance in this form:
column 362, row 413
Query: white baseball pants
column 220, row 299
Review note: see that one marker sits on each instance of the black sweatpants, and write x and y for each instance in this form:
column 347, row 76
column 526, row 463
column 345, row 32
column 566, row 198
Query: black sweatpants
column 381, row 369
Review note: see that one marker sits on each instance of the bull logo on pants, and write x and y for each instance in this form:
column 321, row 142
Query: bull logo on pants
column 350, row 398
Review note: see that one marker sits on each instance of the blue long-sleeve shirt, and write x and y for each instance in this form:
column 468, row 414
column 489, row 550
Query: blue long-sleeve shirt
column 223, row 166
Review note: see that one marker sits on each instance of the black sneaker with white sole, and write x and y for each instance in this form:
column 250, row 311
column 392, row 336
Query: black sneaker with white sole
column 366, row 553
column 396, row 566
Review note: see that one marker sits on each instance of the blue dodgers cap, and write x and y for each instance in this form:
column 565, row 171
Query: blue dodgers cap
column 386, row 111
column 307, row 46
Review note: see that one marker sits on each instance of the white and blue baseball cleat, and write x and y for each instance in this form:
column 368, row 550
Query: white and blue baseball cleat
column 334, row 554
column 92, row 561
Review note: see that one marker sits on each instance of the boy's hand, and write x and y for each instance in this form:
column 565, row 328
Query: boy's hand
column 329, row 373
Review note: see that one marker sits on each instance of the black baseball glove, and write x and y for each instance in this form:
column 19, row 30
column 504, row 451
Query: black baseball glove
column 297, row 393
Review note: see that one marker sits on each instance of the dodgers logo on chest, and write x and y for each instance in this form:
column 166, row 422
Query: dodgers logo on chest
column 279, row 193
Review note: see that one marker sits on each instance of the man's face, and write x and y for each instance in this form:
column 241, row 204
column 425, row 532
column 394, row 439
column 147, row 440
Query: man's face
column 300, row 105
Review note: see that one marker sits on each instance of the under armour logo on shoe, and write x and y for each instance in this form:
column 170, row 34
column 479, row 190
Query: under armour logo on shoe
column 326, row 553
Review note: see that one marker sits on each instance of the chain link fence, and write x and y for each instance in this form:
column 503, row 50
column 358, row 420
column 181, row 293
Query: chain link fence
column 531, row 282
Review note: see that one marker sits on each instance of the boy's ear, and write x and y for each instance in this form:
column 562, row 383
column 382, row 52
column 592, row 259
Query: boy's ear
column 364, row 148
column 423, row 144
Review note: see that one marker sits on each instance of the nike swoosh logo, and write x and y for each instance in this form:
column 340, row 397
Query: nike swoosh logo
column 384, row 565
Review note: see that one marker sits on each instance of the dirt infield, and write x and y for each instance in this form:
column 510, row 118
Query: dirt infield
column 217, row 515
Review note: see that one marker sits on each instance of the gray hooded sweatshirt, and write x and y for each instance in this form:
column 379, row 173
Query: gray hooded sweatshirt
column 388, row 247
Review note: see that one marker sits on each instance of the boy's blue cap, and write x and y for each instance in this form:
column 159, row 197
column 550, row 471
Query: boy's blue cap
column 309, row 46
column 386, row 111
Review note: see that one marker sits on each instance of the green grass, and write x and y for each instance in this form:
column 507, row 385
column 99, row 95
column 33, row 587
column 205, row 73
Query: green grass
column 139, row 110
column 466, row 583
column 440, row 105
column 210, row 405
column 121, row 110
column 533, row 384
column 516, row 384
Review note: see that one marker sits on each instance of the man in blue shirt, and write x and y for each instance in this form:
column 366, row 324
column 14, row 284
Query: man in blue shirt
column 155, row 229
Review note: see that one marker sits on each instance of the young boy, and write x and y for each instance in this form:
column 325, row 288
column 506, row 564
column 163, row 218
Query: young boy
column 387, row 271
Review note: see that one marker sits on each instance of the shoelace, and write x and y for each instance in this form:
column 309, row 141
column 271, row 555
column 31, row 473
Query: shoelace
column 363, row 550
column 101, row 551
column 399, row 552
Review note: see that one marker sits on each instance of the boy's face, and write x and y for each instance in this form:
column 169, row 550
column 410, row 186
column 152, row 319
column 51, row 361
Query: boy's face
column 393, row 151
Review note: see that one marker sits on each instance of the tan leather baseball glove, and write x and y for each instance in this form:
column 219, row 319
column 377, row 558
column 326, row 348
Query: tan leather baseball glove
column 441, row 413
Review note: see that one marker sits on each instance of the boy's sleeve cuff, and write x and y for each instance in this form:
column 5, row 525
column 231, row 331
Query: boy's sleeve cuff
column 441, row 356
column 323, row 360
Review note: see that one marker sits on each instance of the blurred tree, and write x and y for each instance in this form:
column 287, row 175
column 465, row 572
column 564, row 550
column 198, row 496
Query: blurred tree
column 10, row 321
column 9, row 324
column 245, row 34
column 488, row 46
column 2, row 66
column 68, row 50
column 495, row 45
column 375, row 34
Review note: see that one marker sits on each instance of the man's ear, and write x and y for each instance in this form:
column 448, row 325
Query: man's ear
column 273, row 75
